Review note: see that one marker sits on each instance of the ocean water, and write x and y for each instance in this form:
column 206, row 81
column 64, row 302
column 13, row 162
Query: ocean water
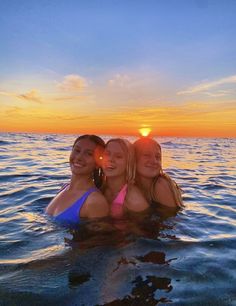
column 188, row 258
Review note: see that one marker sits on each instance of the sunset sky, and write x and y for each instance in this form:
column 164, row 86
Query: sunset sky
column 111, row 67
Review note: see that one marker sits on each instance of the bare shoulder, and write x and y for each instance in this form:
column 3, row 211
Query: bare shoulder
column 163, row 192
column 162, row 182
column 97, row 205
column 135, row 200
column 52, row 206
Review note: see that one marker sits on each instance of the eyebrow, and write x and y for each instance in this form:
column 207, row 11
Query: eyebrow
column 77, row 146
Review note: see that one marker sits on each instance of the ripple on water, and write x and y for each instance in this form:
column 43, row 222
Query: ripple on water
column 183, row 259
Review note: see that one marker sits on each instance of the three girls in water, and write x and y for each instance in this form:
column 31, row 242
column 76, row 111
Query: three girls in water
column 133, row 180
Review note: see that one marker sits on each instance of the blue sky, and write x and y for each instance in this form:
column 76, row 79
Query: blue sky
column 152, row 53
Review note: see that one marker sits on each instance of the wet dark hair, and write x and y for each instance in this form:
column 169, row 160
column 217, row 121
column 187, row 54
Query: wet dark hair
column 98, row 175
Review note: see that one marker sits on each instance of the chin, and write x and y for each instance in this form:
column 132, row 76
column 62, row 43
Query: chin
column 149, row 175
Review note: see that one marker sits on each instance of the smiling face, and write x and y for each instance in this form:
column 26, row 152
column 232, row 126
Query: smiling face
column 82, row 157
column 114, row 160
column 148, row 159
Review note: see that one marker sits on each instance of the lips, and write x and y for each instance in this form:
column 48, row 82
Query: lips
column 109, row 167
column 78, row 165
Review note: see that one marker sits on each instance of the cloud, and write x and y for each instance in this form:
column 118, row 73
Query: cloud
column 35, row 96
column 120, row 80
column 8, row 94
column 205, row 86
column 13, row 111
column 66, row 117
column 73, row 82
column 153, row 116
column 32, row 95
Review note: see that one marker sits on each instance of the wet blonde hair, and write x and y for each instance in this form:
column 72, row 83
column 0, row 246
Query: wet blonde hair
column 176, row 190
column 128, row 149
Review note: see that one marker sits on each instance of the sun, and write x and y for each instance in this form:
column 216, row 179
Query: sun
column 145, row 131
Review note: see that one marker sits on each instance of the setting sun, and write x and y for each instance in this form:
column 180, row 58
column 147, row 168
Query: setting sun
column 144, row 131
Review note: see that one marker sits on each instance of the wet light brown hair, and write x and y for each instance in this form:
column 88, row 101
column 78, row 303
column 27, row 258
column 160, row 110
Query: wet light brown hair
column 140, row 143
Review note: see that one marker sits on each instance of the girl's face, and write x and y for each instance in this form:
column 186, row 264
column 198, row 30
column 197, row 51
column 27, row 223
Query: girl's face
column 114, row 160
column 148, row 161
column 82, row 157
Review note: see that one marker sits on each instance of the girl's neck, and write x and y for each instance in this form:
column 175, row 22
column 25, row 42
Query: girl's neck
column 115, row 184
column 80, row 183
column 145, row 185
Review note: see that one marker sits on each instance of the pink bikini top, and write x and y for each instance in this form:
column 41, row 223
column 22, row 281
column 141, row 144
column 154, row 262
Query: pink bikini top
column 117, row 210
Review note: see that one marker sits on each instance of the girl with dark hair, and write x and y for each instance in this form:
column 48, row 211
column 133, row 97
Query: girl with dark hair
column 80, row 198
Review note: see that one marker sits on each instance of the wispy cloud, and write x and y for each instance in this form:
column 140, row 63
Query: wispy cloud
column 119, row 80
column 32, row 95
column 188, row 112
column 73, row 82
column 205, row 86
column 8, row 94
column 35, row 96
column 13, row 111
column 64, row 117
column 33, row 114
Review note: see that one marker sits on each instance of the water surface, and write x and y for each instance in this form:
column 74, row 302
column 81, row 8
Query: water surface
column 185, row 259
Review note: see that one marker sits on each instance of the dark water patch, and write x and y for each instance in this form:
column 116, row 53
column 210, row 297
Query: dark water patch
column 144, row 292
column 227, row 204
column 168, row 143
column 6, row 142
column 19, row 192
column 76, row 278
column 41, row 202
column 52, row 138
column 16, row 177
column 3, row 157
column 10, row 247
column 175, row 145
column 211, row 186
column 9, row 297
column 67, row 149
column 227, row 178
column 155, row 258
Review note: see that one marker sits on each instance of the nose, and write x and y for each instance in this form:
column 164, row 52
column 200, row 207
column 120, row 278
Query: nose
column 79, row 155
column 108, row 158
column 153, row 159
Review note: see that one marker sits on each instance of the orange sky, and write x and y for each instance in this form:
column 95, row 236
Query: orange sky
column 81, row 69
column 25, row 114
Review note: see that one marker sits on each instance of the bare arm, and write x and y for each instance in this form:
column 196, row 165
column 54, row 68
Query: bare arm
column 163, row 193
column 96, row 206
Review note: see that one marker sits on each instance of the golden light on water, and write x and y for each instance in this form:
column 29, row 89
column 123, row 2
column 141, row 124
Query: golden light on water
column 145, row 131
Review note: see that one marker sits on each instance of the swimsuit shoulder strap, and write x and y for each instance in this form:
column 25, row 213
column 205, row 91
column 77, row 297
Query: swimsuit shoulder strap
column 120, row 198
column 74, row 209
column 79, row 202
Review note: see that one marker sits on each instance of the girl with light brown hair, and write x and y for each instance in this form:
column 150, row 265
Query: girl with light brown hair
column 157, row 186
